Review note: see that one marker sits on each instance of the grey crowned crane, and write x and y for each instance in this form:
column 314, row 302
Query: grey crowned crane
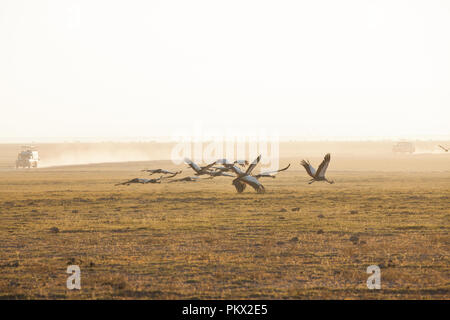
column 226, row 166
column 220, row 173
column 153, row 171
column 140, row 180
column 199, row 170
column 145, row 181
column 242, row 163
column 445, row 149
column 186, row 179
column 270, row 174
column 320, row 174
column 244, row 178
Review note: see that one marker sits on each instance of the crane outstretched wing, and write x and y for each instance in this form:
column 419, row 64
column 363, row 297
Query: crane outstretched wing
column 193, row 165
column 222, row 169
column 253, row 165
column 193, row 178
column 220, row 173
column 171, row 176
column 223, row 161
column 163, row 171
column 151, row 171
column 254, row 183
column 323, row 166
column 124, row 183
column 209, row 165
column 309, row 168
column 240, row 186
column 269, row 173
column 237, row 170
column 242, row 163
column 135, row 180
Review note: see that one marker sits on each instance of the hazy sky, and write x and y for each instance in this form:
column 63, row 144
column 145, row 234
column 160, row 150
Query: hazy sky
column 300, row 68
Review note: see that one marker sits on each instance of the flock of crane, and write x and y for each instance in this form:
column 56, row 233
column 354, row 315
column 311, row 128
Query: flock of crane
column 241, row 170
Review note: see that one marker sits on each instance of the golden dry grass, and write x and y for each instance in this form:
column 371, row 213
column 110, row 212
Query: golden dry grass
column 203, row 240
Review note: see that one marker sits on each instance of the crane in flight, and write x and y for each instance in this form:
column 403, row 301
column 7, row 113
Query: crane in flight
column 187, row 179
column 163, row 171
column 246, row 178
column 145, row 181
column 270, row 174
column 318, row 175
column 140, row 180
column 219, row 173
column 242, row 163
column 199, row 170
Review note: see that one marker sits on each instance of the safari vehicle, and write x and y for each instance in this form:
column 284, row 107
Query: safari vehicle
column 27, row 158
column 403, row 147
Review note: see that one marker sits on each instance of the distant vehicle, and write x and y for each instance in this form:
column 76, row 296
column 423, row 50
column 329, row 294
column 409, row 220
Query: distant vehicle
column 403, row 147
column 27, row 158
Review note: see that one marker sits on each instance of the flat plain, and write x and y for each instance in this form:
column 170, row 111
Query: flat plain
column 202, row 240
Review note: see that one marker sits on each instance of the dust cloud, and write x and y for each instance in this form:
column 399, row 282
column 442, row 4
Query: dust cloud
column 347, row 156
column 92, row 157
column 91, row 153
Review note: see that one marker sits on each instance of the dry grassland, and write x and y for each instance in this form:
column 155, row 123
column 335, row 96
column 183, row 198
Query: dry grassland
column 203, row 240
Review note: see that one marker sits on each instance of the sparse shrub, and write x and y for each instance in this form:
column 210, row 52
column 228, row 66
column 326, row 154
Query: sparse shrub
column 54, row 229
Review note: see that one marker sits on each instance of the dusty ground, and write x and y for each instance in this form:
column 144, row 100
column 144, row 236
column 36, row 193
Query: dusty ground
column 202, row 240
